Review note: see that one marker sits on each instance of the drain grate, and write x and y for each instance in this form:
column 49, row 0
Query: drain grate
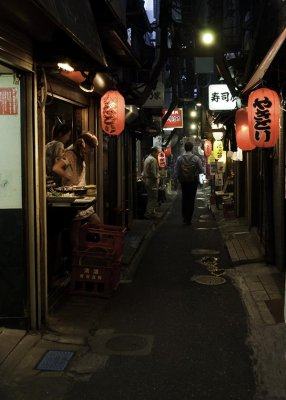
column 209, row 280
column 55, row 360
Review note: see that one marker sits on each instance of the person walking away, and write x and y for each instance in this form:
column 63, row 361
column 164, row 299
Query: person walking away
column 151, row 182
column 187, row 170
column 55, row 150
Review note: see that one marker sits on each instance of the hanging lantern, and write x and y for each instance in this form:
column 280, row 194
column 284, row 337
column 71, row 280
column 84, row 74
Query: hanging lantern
column 208, row 148
column 162, row 159
column 168, row 151
column 242, row 130
column 264, row 117
column 217, row 135
column 112, row 106
column 218, row 149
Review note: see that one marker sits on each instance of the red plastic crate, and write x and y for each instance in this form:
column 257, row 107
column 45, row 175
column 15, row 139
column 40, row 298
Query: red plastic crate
column 100, row 256
column 102, row 237
column 94, row 275
column 95, row 281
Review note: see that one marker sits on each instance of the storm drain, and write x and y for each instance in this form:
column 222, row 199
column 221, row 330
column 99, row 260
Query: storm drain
column 209, row 280
column 55, row 360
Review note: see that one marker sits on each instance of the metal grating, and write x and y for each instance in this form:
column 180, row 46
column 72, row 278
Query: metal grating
column 55, row 360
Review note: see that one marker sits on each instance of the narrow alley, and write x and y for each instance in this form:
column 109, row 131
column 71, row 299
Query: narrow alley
column 178, row 328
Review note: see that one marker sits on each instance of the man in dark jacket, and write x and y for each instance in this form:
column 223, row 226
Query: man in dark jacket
column 187, row 169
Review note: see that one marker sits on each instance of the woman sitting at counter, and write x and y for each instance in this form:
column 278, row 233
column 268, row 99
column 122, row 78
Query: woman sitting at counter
column 72, row 169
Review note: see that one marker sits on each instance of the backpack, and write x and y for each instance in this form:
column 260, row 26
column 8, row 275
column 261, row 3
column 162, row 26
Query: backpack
column 188, row 169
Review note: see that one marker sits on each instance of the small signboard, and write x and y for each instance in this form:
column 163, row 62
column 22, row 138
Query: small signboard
column 220, row 98
column 175, row 120
column 156, row 98
column 8, row 101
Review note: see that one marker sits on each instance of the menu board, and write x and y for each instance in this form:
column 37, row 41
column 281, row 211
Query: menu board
column 8, row 101
column 10, row 139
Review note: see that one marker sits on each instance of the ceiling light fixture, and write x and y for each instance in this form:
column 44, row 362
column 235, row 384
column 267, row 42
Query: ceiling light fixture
column 87, row 84
column 65, row 65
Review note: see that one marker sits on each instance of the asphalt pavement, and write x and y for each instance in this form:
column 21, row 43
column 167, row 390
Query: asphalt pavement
column 186, row 322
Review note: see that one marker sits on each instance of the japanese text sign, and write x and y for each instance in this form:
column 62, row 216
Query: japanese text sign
column 220, row 98
column 264, row 117
column 175, row 120
column 112, row 112
column 8, row 101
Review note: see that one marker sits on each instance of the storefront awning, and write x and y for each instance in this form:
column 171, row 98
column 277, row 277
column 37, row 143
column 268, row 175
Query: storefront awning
column 80, row 27
column 266, row 62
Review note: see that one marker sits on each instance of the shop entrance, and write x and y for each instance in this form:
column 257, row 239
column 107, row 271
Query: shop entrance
column 59, row 216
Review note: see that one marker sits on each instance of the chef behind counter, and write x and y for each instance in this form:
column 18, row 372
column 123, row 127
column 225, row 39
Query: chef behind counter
column 72, row 169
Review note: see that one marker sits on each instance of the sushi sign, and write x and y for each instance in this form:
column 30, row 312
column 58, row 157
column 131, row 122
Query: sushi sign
column 220, row 98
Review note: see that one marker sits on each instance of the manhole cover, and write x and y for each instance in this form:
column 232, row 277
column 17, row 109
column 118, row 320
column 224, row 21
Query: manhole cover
column 55, row 360
column 209, row 280
column 127, row 343
column 205, row 251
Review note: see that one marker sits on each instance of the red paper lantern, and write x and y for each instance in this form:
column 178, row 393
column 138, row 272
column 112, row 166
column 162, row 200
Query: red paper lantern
column 112, row 106
column 208, row 148
column 264, row 117
column 242, row 130
column 162, row 159
column 168, row 151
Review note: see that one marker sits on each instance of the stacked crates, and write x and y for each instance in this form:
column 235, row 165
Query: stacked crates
column 96, row 266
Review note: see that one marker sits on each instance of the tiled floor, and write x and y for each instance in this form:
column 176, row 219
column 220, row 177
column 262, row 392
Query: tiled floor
column 265, row 286
column 242, row 250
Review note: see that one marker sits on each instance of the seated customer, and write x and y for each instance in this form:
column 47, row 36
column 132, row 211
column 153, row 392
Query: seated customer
column 72, row 169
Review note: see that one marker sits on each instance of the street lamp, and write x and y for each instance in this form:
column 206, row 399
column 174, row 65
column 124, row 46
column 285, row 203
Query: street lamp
column 207, row 37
